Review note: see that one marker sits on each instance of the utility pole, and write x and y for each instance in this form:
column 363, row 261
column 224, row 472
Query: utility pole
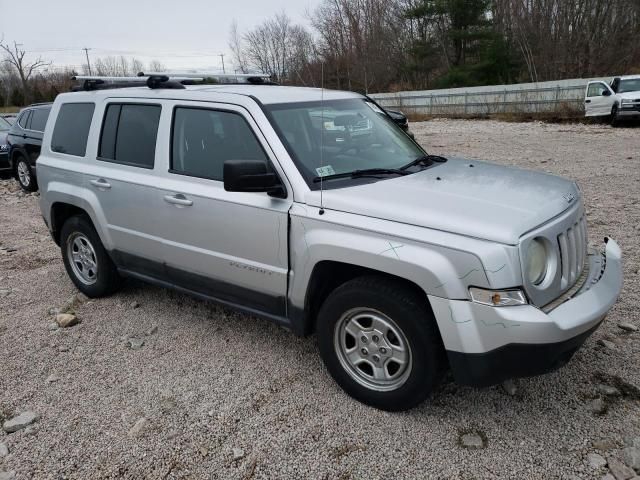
column 86, row 52
column 222, row 57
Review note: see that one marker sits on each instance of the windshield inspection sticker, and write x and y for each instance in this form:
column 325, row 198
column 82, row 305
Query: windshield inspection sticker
column 325, row 171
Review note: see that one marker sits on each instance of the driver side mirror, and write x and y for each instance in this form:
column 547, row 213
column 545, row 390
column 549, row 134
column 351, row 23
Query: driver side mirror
column 251, row 176
column 606, row 93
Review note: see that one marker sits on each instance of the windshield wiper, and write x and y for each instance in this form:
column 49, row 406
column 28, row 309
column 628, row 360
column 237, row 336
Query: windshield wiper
column 425, row 160
column 362, row 173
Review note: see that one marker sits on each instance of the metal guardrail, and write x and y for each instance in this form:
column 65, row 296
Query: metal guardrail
column 562, row 95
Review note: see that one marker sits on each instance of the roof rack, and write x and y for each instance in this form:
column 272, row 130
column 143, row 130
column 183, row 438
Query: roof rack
column 223, row 78
column 96, row 82
column 156, row 80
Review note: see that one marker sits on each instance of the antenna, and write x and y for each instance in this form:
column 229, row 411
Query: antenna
column 321, row 212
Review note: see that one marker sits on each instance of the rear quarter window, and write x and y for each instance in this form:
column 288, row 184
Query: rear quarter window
column 71, row 131
column 23, row 119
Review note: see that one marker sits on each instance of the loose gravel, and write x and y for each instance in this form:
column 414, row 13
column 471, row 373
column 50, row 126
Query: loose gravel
column 155, row 384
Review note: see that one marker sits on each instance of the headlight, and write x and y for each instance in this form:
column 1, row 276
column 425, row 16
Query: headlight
column 537, row 260
column 627, row 100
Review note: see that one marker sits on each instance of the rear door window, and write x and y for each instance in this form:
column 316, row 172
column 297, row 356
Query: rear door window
column 72, row 128
column 39, row 119
column 129, row 133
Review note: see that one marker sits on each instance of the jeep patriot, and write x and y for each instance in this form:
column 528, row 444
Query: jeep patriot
column 312, row 209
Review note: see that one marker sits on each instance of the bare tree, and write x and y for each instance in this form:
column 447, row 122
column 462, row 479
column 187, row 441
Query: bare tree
column 117, row 66
column 157, row 66
column 237, row 48
column 15, row 57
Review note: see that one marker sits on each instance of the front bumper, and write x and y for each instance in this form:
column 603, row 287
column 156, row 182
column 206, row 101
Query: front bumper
column 629, row 112
column 487, row 345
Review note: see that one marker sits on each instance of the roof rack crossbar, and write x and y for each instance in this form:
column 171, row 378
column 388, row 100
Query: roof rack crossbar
column 91, row 82
column 224, row 78
column 202, row 75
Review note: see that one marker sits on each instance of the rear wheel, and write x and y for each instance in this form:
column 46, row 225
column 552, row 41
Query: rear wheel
column 25, row 176
column 380, row 343
column 86, row 260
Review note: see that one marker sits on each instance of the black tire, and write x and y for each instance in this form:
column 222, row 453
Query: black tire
column 24, row 175
column 106, row 279
column 410, row 313
column 614, row 116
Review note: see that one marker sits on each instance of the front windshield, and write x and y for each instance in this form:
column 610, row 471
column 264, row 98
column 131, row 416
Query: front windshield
column 351, row 134
column 629, row 85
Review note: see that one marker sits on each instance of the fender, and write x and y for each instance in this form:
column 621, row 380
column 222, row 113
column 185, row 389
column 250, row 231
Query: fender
column 440, row 263
column 16, row 150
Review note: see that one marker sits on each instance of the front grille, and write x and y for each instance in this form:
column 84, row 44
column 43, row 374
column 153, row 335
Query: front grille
column 573, row 252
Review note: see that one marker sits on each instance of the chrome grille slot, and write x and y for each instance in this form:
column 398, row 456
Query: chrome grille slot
column 572, row 245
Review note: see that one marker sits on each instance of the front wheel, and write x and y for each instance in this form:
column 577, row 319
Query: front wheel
column 380, row 343
column 86, row 260
column 25, row 176
column 614, row 116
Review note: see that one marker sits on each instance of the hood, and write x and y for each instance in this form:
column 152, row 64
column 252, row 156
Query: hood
column 3, row 137
column 485, row 201
column 629, row 95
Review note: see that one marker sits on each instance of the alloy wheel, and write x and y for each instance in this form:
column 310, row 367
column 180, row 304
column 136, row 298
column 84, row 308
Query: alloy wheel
column 82, row 258
column 372, row 349
column 24, row 174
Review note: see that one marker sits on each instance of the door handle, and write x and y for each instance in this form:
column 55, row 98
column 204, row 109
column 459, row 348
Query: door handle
column 100, row 183
column 587, row 101
column 178, row 199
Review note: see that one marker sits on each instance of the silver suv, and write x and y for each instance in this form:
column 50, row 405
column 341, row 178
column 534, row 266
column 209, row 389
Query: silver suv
column 314, row 210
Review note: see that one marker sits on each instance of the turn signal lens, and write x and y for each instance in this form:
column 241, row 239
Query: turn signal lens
column 497, row 298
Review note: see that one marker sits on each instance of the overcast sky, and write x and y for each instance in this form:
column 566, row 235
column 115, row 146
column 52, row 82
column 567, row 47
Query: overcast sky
column 179, row 33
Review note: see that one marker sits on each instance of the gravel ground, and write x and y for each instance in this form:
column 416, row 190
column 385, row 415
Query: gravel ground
column 215, row 394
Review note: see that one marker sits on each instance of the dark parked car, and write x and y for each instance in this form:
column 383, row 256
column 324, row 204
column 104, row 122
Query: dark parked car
column 5, row 126
column 25, row 141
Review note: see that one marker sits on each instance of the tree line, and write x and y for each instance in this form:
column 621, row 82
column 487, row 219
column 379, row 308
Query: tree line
column 390, row 45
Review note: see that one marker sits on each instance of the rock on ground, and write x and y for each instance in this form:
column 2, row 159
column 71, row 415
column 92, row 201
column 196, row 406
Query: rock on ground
column 8, row 475
column 620, row 470
column 238, row 454
column 595, row 460
column 4, row 450
column 598, row 406
column 628, row 327
column 472, row 440
column 138, row 427
column 135, row 343
column 510, row 387
column 66, row 320
column 608, row 390
column 19, row 422
column 631, row 456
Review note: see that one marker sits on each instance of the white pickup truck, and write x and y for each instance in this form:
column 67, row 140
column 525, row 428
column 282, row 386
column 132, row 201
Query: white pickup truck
column 618, row 100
